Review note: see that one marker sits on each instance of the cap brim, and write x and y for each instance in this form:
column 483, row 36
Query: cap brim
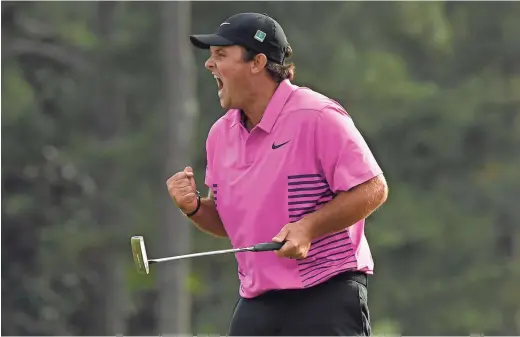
column 204, row 41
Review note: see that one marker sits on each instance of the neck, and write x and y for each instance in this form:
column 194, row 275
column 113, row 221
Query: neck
column 255, row 107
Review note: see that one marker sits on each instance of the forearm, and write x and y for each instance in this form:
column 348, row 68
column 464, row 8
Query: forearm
column 207, row 218
column 347, row 208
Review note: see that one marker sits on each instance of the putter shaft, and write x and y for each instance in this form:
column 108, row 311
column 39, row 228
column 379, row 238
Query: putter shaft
column 215, row 252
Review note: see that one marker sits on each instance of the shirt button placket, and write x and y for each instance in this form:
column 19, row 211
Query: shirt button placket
column 251, row 147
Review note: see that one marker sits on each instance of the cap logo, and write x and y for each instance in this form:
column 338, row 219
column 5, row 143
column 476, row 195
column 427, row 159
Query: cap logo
column 260, row 36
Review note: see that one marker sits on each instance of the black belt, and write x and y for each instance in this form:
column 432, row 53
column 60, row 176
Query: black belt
column 357, row 276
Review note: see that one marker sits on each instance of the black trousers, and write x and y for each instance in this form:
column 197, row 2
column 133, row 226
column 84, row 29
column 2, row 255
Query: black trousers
column 337, row 307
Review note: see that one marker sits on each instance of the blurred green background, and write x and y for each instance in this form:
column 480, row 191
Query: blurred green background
column 103, row 101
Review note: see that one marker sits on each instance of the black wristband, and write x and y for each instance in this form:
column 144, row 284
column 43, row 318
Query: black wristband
column 189, row 215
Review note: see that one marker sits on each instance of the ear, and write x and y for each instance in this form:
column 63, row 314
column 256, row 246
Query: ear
column 259, row 63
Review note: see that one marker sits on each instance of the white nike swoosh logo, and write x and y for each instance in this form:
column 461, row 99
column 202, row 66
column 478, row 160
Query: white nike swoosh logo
column 224, row 23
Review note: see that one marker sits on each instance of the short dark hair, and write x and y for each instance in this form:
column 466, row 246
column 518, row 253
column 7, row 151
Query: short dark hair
column 277, row 72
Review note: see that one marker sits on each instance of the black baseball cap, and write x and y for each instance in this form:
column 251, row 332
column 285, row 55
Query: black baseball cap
column 254, row 31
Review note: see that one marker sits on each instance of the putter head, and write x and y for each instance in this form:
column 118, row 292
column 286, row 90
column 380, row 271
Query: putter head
column 139, row 254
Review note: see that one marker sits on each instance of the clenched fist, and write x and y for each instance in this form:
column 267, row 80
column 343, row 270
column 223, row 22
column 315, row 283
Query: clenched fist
column 183, row 190
column 297, row 240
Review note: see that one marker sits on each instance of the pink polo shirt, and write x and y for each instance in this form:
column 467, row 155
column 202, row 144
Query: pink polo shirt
column 305, row 150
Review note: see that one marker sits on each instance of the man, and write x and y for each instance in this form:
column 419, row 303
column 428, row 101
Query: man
column 286, row 164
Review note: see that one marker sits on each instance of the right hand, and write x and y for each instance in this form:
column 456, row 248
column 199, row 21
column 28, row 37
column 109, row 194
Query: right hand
column 183, row 190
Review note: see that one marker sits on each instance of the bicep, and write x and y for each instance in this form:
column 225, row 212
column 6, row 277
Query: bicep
column 374, row 190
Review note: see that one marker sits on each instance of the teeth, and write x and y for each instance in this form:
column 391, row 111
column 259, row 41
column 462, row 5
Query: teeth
column 219, row 81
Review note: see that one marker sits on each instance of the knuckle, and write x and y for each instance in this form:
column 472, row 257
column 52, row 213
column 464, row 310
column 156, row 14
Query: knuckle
column 178, row 176
column 188, row 191
column 173, row 178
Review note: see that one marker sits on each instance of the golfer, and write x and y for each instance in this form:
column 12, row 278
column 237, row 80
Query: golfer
column 284, row 163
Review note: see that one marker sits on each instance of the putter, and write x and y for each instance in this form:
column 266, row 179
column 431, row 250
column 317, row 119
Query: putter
column 142, row 263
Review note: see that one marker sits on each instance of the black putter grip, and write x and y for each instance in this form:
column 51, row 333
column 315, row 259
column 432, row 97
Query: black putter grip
column 268, row 246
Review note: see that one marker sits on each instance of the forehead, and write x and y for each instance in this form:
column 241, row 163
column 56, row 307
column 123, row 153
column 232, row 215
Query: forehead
column 226, row 49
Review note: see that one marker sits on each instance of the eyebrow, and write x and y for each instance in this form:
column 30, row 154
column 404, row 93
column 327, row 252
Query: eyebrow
column 214, row 51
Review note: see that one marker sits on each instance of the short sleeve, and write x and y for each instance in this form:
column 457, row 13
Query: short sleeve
column 342, row 152
column 211, row 141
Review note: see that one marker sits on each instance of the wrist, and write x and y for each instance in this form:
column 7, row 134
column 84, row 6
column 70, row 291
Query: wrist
column 191, row 213
column 308, row 227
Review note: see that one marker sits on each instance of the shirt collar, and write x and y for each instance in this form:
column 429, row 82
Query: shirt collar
column 274, row 107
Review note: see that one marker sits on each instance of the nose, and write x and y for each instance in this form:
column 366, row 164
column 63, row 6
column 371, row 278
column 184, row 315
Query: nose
column 209, row 64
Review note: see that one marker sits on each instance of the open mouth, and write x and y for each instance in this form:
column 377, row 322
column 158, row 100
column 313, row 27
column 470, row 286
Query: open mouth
column 220, row 84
